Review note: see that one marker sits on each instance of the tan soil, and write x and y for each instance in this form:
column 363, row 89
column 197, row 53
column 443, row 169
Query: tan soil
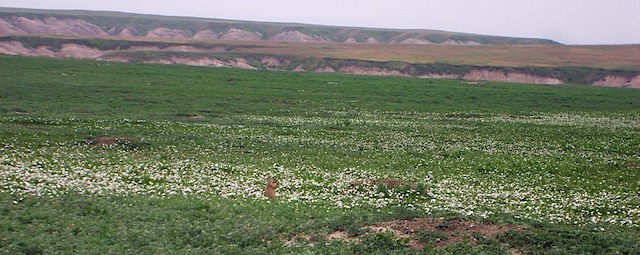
column 458, row 230
column 128, row 32
column 8, row 29
column 372, row 40
column 325, row 70
column 242, row 63
column 163, row 32
column 370, row 71
column 453, row 231
column 158, row 61
column 617, row 81
column 14, row 48
column 464, row 43
column 270, row 61
column 295, row 36
column 351, row 40
column 492, row 75
column 240, row 35
column 416, row 41
column 338, row 235
column 115, row 59
column 439, row 76
column 71, row 50
column 205, row 35
column 199, row 62
column 53, row 26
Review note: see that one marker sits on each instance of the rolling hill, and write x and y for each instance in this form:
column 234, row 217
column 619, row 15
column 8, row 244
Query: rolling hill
column 92, row 23
column 124, row 37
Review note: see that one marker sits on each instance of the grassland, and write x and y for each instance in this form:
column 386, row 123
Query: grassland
column 194, row 146
column 618, row 57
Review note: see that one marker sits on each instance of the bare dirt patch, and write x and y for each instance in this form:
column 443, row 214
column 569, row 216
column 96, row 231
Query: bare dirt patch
column 370, row 71
column 205, row 35
column 190, row 116
column 420, row 232
column 493, row 75
column 295, row 36
column 416, row 41
column 241, row 35
column 164, row 32
column 449, row 231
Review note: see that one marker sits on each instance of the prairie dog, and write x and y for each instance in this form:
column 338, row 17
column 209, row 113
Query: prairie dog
column 270, row 190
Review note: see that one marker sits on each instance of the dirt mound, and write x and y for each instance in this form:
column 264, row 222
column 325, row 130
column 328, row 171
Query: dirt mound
column 53, row 26
column 128, row 32
column 205, row 35
column 295, row 36
column 440, row 232
column 416, row 41
column 8, row 29
column 372, row 40
column 72, row 50
column 68, row 50
column 164, row 32
column 418, row 232
column 241, row 35
column 351, row 40
column 17, row 48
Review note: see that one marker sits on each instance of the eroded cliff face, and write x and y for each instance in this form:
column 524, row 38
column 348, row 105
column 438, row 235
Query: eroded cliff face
column 50, row 26
column 43, row 25
column 515, row 77
column 616, row 81
column 174, row 54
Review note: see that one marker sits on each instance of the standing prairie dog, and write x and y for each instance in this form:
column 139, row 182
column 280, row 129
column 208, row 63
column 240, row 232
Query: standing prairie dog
column 270, row 190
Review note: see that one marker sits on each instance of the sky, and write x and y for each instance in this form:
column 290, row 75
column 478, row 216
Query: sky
column 565, row 21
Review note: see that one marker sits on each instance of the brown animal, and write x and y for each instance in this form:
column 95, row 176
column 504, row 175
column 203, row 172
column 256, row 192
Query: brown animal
column 270, row 190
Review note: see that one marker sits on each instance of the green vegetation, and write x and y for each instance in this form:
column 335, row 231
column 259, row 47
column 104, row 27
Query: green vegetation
column 99, row 157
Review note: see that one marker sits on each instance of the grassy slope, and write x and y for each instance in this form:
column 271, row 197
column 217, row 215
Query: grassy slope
column 46, row 104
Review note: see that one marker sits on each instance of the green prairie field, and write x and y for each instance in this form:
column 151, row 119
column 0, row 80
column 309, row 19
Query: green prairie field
column 126, row 158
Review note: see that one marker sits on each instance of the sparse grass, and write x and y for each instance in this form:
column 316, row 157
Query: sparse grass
column 561, row 162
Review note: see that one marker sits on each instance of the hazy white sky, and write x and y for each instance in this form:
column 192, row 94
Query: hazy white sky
column 566, row 21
